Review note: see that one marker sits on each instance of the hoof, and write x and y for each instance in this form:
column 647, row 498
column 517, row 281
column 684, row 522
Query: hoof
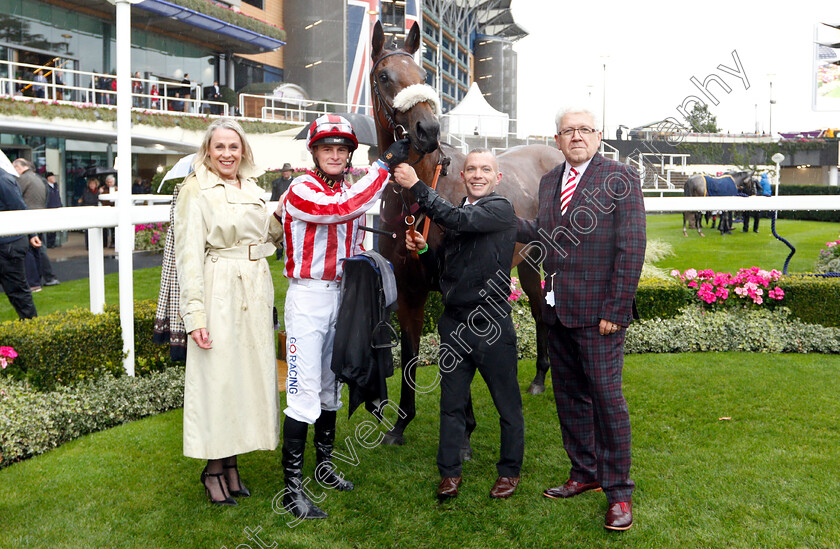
column 391, row 439
column 536, row 388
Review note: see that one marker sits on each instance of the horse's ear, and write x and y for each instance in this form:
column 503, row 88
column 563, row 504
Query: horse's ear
column 378, row 41
column 412, row 41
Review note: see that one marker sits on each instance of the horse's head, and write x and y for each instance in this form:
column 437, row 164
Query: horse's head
column 402, row 101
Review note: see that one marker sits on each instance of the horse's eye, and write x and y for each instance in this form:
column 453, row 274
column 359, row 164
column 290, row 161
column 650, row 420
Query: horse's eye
column 383, row 77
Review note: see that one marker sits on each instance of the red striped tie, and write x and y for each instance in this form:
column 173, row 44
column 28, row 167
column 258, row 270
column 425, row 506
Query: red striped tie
column 568, row 191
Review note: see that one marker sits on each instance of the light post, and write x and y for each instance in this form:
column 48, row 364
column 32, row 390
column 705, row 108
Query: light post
column 772, row 102
column 778, row 158
column 604, row 97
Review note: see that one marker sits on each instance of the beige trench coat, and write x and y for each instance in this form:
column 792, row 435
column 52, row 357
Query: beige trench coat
column 231, row 400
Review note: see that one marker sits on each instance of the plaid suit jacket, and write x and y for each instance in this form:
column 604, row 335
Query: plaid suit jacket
column 593, row 255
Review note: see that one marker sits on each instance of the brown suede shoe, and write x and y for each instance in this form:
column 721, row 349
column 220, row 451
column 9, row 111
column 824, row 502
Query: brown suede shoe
column 448, row 487
column 619, row 516
column 571, row 489
column 504, row 487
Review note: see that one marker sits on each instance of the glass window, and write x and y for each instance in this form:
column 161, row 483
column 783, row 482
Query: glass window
column 255, row 3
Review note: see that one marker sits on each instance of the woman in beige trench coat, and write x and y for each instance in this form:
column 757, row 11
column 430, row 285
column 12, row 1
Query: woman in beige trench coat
column 222, row 237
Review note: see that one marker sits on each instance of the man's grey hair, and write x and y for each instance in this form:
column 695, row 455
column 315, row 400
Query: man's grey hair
column 574, row 110
column 110, row 178
column 23, row 163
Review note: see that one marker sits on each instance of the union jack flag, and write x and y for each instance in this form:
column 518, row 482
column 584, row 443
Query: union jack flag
column 361, row 16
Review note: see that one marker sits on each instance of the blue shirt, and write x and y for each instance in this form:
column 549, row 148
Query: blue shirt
column 766, row 189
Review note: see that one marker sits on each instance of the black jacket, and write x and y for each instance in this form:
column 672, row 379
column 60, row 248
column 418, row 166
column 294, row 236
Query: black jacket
column 473, row 262
column 363, row 334
column 279, row 186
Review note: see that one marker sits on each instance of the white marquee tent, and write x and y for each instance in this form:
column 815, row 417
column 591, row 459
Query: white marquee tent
column 474, row 116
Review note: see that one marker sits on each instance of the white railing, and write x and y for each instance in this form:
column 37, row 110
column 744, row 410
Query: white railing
column 300, row 112
column 609, row 151
column 69, row 86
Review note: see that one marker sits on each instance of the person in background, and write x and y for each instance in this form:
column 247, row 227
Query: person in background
column 13, row 250
column 214, row 93
column 90, row 197
column 278, row 187
column 53, row 201
column 110, row 188
column 763, row 188
column 34, row 192
column 136, row 90
column 223, row 233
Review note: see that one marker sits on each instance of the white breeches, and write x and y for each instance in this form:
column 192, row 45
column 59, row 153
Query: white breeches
column 311, row 313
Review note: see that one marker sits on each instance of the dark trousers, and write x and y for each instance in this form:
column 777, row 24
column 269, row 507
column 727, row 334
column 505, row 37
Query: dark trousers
column 586, row 375
column 747, row 216
column 38, row 264
column 13, row 277
column 490, row 347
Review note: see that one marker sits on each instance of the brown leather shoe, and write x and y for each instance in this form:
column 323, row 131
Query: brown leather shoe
column 504, row 487
column 448, row 487
column 619, row 516
column 571, row 489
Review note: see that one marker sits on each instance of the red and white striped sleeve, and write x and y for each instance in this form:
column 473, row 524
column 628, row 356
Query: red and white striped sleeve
column 307, row 203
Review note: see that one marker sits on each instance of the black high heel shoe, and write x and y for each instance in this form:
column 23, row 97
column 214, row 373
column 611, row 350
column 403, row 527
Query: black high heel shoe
column 242, row 492
column 218, row 477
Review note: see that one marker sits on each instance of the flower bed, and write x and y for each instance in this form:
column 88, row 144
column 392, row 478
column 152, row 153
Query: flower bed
column 151, row 236
column 722, row 289
column 829, row 260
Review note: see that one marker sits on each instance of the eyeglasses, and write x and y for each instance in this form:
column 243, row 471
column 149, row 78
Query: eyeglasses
column 568, row 132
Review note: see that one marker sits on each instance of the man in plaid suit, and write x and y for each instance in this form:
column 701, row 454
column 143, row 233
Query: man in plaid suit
column 590, row 228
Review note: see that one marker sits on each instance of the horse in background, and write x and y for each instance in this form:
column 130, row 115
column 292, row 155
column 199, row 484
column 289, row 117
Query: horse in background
column 405, row 106
column 734, row 183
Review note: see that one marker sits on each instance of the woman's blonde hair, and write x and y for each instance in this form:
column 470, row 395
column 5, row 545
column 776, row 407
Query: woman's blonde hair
column 246, row 168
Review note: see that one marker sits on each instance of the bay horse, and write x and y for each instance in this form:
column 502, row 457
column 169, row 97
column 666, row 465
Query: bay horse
column 729, row 184
column 405, row 106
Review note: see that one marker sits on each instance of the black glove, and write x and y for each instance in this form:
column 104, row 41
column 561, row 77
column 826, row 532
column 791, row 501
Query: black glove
column 396, row 153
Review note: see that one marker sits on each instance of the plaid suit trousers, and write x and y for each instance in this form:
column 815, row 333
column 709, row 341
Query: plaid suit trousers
column 586, row 376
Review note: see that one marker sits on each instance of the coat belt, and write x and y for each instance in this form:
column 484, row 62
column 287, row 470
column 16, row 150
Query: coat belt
column 253, row 252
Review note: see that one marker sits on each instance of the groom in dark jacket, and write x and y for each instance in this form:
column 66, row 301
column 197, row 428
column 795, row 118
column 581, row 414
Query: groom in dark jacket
column 472, row 265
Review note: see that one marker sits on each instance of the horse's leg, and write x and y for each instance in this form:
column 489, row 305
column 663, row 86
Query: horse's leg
column 410, row 315
column 699, row 225
column 685, row 221
column 529, row 276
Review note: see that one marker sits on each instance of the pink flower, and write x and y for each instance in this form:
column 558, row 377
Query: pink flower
column 542, row 283
column 830, row 244
column 675, row 273
column 691, row 274
column 8, row 352
column 692, row 284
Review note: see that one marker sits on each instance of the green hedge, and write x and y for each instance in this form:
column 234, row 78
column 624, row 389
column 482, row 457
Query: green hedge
column 657, row 298
column 812, row 299
column 810, row 190
column 68, row 347
column 33, row 422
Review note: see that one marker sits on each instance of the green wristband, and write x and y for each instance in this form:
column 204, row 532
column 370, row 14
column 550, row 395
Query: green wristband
column 424, row 250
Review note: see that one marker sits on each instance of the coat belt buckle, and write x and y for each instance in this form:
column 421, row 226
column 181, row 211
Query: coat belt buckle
column 251, row 250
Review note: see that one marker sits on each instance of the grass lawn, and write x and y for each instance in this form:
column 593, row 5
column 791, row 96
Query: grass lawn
column 767, row 477
column 732, row 252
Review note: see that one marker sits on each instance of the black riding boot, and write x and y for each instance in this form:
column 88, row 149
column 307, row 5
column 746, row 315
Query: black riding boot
column 295, row 498
column 324, row 440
